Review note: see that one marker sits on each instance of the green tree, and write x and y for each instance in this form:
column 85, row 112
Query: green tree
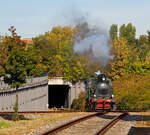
column 56, row 50
column 122, row 31
column 148, row 36
column 128, row 32
column 113, row 32
column 45, row 50
column 20, row 63
column 131, row 33
column 143, row 47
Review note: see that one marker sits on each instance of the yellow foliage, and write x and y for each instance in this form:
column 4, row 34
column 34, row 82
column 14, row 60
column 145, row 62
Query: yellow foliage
column 148, row 57
column 132, row 92
column 120, row 51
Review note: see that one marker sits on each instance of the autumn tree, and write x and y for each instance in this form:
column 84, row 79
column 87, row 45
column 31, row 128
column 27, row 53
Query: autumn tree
column 3, row 57
column 120, row 52
column 81, row 31
column 147, row 59
column 132, row 92
column 56, row 49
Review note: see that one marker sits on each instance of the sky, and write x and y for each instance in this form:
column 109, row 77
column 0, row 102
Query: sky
column 34, row 17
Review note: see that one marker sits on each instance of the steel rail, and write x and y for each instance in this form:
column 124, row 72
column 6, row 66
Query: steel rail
column 69, row 124
column 104, row 129
column 34, row 112
column 63, row 111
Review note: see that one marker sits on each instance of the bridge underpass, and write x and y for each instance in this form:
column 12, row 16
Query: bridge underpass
column 58, row 96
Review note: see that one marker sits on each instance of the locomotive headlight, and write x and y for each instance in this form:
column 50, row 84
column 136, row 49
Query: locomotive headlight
column 94, row 95
column 112, row 95
column 102, row 85
column 103, row 78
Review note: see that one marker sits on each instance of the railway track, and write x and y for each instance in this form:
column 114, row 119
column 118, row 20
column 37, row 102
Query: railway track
column 88, row 125
column 69, row 124
column 93, row 124
column 63, row 111
column 33, row 112
column 102, row 125
column 104, row 129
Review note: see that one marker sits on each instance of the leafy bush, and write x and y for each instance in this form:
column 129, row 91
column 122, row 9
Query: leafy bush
column 139, row 68
column 80, row 102
column 75, row 104
column 132, row 92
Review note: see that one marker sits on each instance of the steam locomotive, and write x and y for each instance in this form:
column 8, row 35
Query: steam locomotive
column 99, row 93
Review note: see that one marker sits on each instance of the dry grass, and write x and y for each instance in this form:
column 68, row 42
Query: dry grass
column 34, row 121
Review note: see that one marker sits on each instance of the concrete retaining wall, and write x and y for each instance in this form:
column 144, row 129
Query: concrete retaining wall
column 31, row 98
column 75, row 90
column 34, row 95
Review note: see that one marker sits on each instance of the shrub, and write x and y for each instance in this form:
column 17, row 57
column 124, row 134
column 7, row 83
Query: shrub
column 75, row 104
column 80, row 102
column 132, row 92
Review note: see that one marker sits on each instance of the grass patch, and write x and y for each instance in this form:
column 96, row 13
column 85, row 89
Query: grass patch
column 35, row 121
column 4, row 125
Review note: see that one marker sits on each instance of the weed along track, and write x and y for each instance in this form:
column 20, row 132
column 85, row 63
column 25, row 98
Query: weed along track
column 88, row 125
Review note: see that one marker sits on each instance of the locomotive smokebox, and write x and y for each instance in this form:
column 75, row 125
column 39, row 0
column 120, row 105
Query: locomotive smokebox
column 101, row 78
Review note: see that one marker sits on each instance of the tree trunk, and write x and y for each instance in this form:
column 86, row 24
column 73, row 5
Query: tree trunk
column 17, row 116
column 15, row 108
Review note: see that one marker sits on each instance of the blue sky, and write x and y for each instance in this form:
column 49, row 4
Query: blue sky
column 34, row 17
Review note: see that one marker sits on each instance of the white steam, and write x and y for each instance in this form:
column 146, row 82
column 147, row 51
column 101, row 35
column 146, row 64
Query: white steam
column 95, row 34
column 96, row 40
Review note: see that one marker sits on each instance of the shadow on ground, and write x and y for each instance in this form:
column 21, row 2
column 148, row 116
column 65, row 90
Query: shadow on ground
column 133, row 117
column 139, row 131
column 127, row 118
column 10, row 116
